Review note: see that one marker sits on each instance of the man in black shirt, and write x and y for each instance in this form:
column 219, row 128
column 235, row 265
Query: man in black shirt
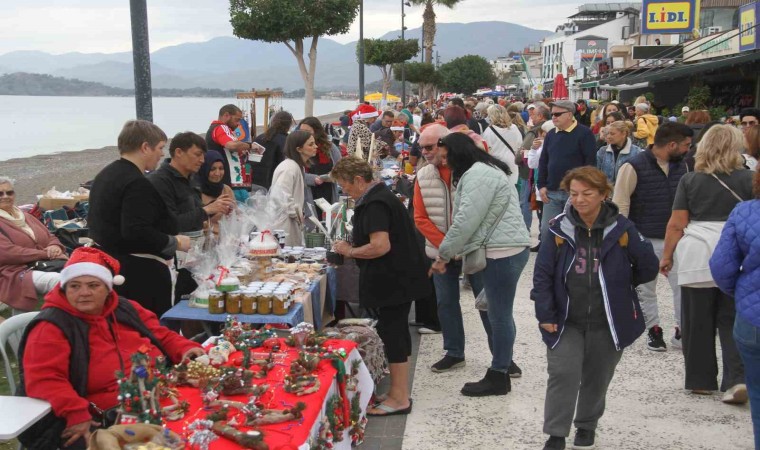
column 129, row 220
column 183, row 200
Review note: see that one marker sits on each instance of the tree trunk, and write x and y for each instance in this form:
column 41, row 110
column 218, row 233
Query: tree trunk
column 387, row 72
column 307, row 74
column 428, row 25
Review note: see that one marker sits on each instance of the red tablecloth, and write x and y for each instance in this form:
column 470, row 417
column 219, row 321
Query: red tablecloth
column 281, row 436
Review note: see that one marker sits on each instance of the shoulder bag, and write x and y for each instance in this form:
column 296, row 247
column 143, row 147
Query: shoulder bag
column 726, row 186
column 503, row 140
column 475, row 261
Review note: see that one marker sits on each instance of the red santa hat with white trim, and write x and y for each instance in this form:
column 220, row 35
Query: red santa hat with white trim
column 89, row 261
column 365, row 111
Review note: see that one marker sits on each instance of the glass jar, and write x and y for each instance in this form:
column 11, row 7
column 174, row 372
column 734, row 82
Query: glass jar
column 249, row 303
column 234, row 299
column 281, row 303
column 216, row 303
column 265, row 302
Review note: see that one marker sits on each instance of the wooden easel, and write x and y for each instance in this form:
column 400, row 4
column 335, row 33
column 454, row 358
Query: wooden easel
column 253, row 95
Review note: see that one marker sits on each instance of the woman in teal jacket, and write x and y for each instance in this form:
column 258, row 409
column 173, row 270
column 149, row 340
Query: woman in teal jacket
column 487, row 214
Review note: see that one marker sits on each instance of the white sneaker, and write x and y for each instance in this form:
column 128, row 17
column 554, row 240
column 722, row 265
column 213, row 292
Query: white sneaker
column 675, row 342
column 426, row 330
column 737, row 395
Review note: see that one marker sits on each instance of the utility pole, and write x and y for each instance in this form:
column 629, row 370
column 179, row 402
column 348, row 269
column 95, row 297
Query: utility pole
column 141, row 59
column 361, row 52
column 403, row 70
column 437, row 60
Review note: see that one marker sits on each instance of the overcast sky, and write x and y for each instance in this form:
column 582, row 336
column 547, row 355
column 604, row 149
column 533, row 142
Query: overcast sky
column 90, row 26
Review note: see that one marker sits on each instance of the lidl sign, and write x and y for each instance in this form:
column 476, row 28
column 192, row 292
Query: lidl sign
column 748, row 15
column 669, row 16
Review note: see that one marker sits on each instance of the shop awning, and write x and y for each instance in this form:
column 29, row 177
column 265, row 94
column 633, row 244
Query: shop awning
column 589, row 84
column 683, row 70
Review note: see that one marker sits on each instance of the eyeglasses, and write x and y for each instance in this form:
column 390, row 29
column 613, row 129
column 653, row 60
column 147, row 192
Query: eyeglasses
column 427, row 148
column 7, row 193
column 557, row 114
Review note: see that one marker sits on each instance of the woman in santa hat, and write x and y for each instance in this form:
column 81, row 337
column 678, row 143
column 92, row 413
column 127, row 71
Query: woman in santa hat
column 361, row 119
column 74, row 346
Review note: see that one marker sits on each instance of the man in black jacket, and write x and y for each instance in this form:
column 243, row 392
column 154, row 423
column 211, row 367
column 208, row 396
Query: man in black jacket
column 183, row 200
column 129, row 220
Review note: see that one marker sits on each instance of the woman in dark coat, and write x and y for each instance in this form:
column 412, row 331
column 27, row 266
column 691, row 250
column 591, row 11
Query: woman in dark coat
column 274, row 143
column 591, row 260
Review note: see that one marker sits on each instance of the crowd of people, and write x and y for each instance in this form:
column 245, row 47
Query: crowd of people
column 620, row 193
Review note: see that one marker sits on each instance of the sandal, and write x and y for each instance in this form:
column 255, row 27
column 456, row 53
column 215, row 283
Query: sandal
column 391, row 411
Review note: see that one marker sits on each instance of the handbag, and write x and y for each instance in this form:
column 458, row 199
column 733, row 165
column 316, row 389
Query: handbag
column 43, row 265
column 475, row 261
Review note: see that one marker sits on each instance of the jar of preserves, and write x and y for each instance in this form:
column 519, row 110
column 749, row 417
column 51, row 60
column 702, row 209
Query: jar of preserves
column 281, row 303
column 265, row 302
column 233, row 302
column 216, row 304
column 249, row 303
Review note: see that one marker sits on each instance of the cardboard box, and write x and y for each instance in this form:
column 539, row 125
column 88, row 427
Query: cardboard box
column 49, row 204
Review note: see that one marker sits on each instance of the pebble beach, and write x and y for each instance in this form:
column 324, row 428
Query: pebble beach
column 67, row 170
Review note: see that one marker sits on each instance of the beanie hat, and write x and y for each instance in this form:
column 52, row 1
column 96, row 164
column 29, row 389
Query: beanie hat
column 397, row 125
column 89, row 261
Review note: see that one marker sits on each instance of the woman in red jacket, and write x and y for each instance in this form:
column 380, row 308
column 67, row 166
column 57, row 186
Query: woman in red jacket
column 79, row 383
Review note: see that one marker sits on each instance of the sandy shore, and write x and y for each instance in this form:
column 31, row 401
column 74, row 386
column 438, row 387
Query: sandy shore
column 65, row 171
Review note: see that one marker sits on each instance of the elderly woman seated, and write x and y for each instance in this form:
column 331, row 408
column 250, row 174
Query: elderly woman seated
column 83, row 335
column 23, row 241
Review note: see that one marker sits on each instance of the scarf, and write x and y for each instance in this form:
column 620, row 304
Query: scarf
column 18, row 219
column 207, row 187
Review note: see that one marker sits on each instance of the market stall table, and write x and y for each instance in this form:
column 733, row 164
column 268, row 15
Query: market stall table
column 19, row 413
column 182, row 311
column 300, row 433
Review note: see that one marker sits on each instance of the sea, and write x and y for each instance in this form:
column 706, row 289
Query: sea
column 33, row 126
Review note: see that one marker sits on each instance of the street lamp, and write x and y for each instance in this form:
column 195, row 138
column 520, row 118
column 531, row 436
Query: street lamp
column 361, row 52
column 403, row 70
column 141, row 59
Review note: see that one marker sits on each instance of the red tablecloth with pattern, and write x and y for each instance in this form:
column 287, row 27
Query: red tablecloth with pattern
column 287, row 435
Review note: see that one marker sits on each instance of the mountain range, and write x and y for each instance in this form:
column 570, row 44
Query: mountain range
column 232, row 63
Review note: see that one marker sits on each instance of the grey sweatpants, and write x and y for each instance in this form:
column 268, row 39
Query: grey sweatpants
column 580, row 369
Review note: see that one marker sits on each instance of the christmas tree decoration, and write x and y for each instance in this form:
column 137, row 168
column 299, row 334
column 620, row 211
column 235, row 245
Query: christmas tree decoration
column 324, row 439
column 220, row 353
column 193, row 373
column 138, row 392
column 352, row 384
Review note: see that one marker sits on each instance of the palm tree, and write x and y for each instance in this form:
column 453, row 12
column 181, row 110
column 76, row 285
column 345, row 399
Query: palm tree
column 428, row 23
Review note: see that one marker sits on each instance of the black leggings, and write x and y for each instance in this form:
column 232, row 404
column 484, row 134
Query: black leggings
column 393, row 329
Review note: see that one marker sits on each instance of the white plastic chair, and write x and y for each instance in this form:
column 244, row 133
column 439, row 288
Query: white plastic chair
column 11, row 331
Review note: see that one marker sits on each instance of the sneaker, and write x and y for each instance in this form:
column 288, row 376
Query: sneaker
column 535, row 248
column 655, row 341
column 514, row 371
column 584, row 439
column 737, row 395
column 466, row 283
column 555, row 443
column 426, row 330
column 447, row 363
column 675, row 341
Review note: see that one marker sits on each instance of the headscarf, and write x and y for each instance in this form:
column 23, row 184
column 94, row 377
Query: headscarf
column 408, row 115
column 207, row 187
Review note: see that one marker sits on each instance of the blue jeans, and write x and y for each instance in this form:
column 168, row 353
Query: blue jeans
column 500, row 282
column 449, row 310
column 747, row 338
column 556, row 205
column 525, row 202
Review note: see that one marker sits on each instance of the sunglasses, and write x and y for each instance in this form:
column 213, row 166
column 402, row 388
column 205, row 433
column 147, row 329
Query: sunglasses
column 7, row 193
column 557, row 114
column 427, row 148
